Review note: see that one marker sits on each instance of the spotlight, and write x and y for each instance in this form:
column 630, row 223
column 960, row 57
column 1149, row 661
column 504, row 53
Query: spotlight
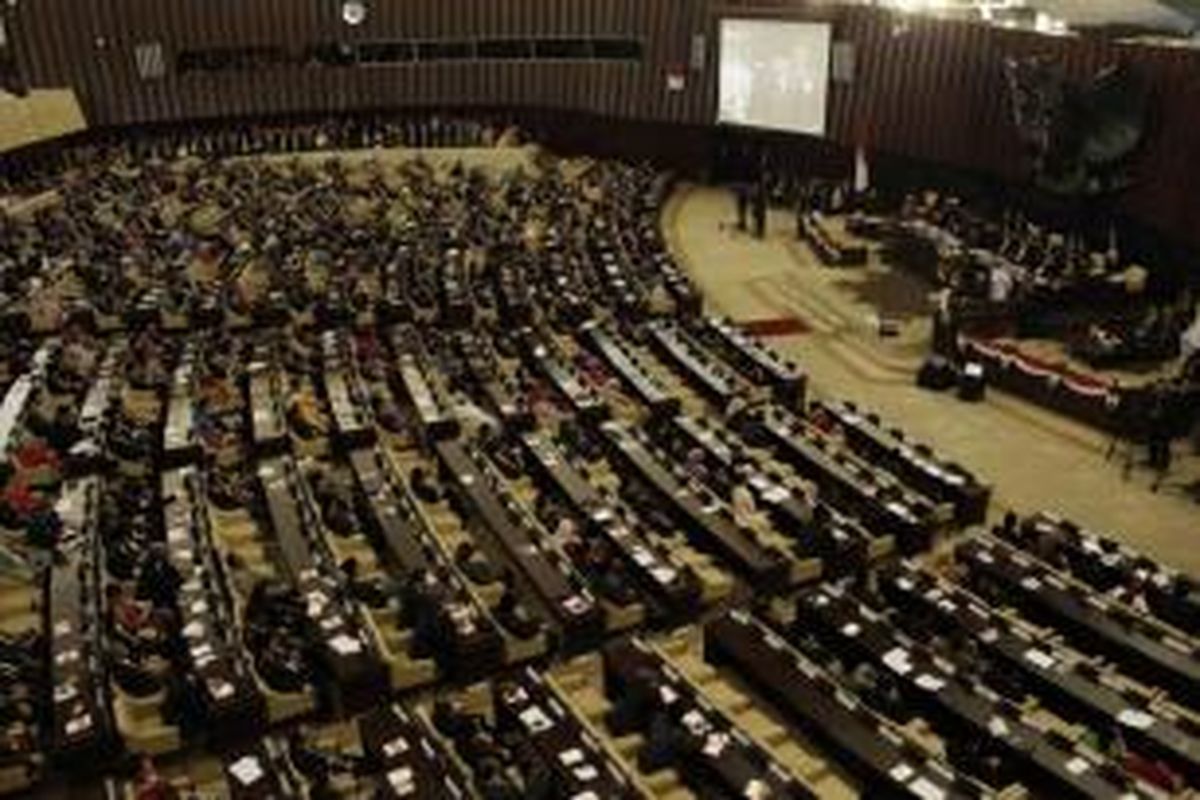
column 354, row 12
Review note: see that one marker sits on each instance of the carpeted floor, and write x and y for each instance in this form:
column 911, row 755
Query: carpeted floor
column 1037, row 460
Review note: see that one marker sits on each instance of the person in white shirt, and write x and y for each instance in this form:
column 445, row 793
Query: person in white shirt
column 744, row 506
column 565, row 533
column 1000, row 285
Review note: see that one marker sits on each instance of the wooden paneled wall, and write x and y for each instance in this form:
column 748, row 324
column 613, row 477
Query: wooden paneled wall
column 927, row 89
column 89, row 43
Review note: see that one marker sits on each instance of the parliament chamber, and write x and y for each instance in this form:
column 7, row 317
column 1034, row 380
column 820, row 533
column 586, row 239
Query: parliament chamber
column 363, row 446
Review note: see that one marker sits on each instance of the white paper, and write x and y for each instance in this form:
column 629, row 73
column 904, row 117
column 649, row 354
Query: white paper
column 247, row 770
column 896, row 660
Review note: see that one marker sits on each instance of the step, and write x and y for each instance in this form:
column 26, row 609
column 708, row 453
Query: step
column 628, row 747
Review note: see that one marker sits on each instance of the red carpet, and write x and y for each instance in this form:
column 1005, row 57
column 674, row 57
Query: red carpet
column 779, row 326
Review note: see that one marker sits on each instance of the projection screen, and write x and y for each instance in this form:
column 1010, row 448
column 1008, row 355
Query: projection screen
column 774, row 74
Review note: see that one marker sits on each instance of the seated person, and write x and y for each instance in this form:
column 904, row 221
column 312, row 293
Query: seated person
column 304, row 415
column 126, row 616
column 424, row 490
column 475, row 565
column 370, row 591
column 151, row 785
column 338, row 516
column 511, row 614
column 158, row 580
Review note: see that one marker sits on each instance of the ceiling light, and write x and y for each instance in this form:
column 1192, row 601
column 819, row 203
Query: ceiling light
column 354, row 12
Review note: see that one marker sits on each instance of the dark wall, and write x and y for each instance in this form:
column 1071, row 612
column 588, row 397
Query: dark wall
column 926, row 90
column 89, row 43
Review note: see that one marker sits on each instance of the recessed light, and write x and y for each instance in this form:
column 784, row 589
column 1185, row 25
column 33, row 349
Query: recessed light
column 354, row 12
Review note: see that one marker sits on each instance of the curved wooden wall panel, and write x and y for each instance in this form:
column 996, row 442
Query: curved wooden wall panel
column 89, row 44
column 927, row 89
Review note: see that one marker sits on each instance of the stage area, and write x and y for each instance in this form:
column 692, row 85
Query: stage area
column 1035, row 459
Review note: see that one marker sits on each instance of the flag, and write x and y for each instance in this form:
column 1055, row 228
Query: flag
column 862, row 170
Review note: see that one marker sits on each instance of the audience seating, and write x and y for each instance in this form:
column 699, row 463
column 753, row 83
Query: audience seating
column 842, row 542
column 675, row 587
column 1095, row 624
column 346, row 652
column 700, row 367
column 756, row 362
column 466, row 641
column 398, row 745
column 853, row 487
column 324, row 432
column 914, row 463
column 578, row 766
column 1066, row 681
column 709, row 749
column 574, row 611
column 81, row 727
column 828, row 712
column 764, row 565
column 227, row 690
column 955, row 701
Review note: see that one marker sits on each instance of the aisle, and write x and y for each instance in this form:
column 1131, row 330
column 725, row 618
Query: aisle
column 1035, row 459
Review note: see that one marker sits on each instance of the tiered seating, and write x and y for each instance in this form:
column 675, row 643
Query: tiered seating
column 388, row 429
column 179, row 442
column 854, row 487
column 226, row 687
column 267, row 417
column 435, row 421
column 675, row 588
column 629, row 370
column 1148, row 650
column 345, row 650
column 461, row 637
column 589, row 560
column 573, row 610
column 348, row 402
column 957, row 703
column 914, row 463
column 1111, row 567
column 865, row 742
column 649, row 696
column 765, row 565
column 398, row 745
column 559, row 739
column 817, row 528
column 258, row 594
column 81, row 726
column 87, row 454
column 146, row 656
column 496, row 387
column 1069, row 683
column 258, row 773
column 565, row 381
column 19, row 394
column 756, row 362
column 714, row 379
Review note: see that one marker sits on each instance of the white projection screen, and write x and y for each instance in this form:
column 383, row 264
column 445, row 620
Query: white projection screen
column 775, row 74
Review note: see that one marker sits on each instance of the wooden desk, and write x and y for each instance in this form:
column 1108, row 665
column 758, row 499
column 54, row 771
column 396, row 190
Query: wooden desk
column 414, row 767
column 1090, row 620
column 951, row 701
column 1057, row 678
column 676, row 588
column 717, row 754
column 765, row 566
column 574, row 611
column 862, row 740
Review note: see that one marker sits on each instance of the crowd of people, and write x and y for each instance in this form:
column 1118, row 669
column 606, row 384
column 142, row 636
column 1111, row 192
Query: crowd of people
column 188, row 277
